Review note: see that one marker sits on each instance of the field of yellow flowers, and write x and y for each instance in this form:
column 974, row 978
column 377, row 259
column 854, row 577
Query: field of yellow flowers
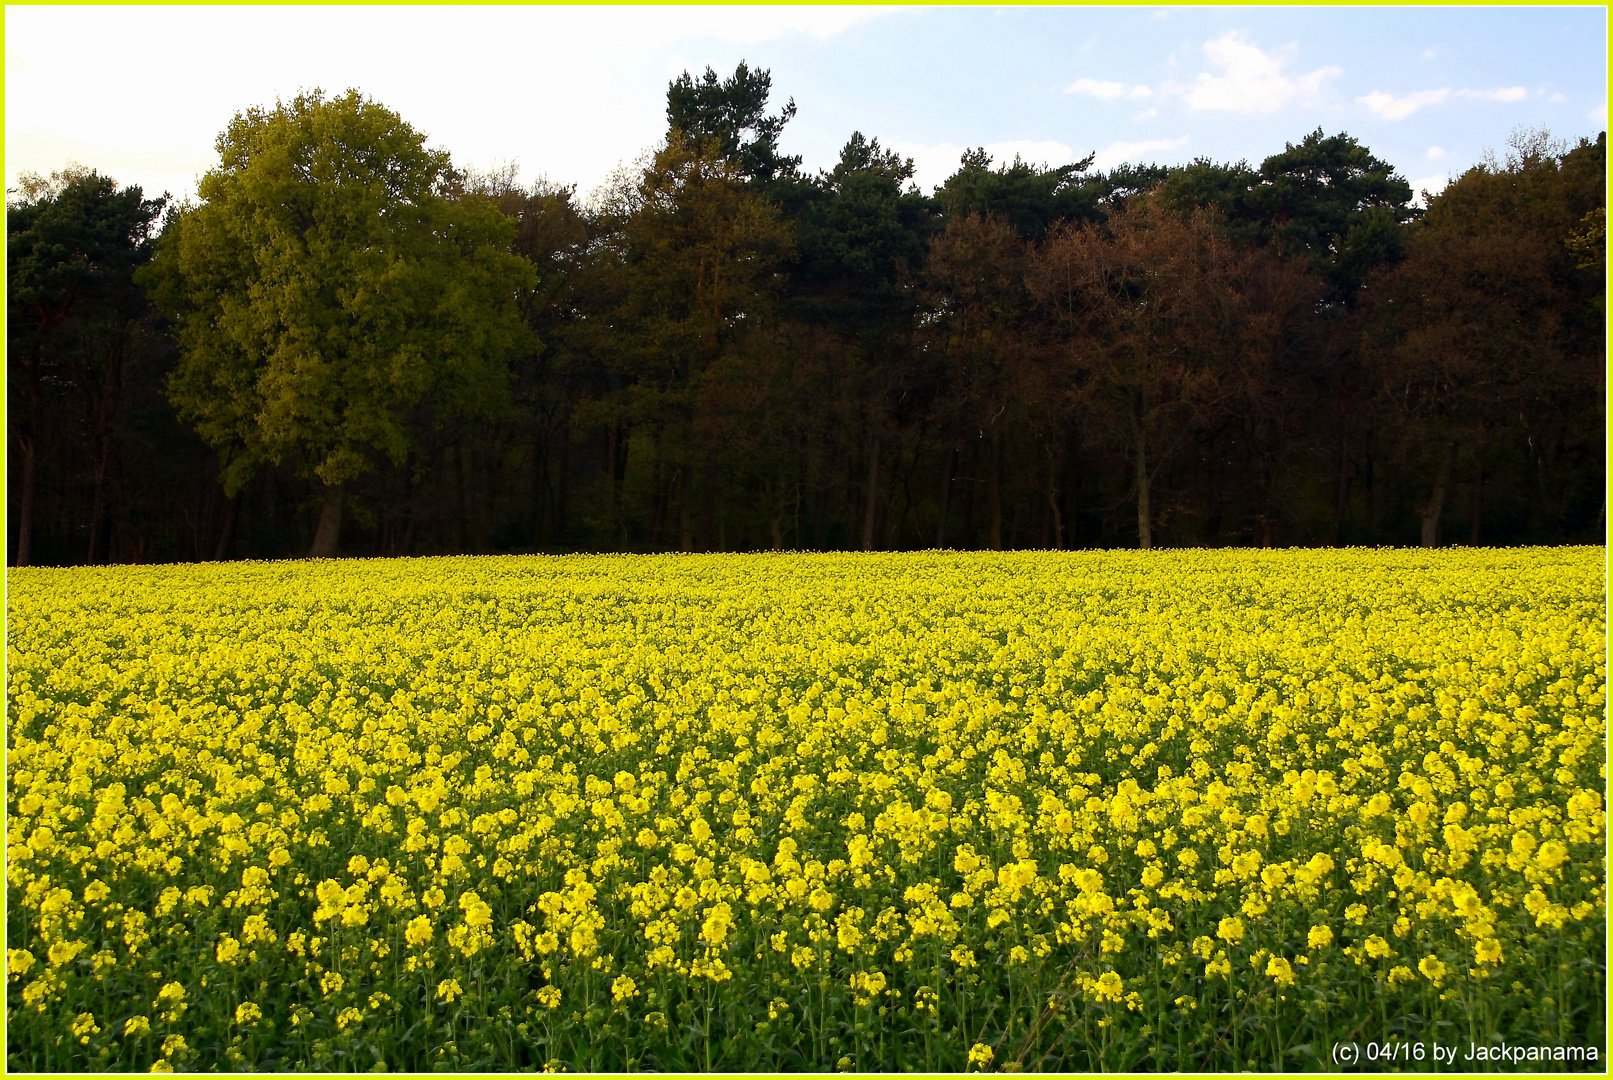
column 1204, row 810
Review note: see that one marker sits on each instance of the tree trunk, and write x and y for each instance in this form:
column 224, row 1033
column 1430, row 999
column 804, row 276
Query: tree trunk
column 658, row 494
column 686, row 489
column 1342, row 494
column 1269, row 508
column 102, row 409
column 872, row 509
column 542, row 493
column 1053, row 499
column 896, row 524
column 25, row 503
column 969, row 495
column 616, row 446
column 98, row 510
column 226, row 535
column 708, row 496
column 1435, row 506
column 204, row 529
column 995, row 490
column 949, row 465
column 1478, row 490
column 462, row 527
column 407, row 539
column 330, row 525
column 612, row 434
column 1145, row 533
column 1369, row 478
column 563, row 481
column 97, row 522
column 272, row 534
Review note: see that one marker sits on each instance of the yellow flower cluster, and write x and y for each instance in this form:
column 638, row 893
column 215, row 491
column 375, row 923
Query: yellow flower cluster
column 935, row 811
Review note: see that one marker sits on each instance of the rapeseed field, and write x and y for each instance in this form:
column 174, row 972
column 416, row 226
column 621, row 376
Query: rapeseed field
column 1162, row 810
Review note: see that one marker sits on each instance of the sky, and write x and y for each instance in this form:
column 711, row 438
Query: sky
column 571, row 94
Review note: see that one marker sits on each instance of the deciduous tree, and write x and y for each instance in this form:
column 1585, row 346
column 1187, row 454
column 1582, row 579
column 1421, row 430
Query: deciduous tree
column 1166, row 327
column 328, row 282
column 1479, row 337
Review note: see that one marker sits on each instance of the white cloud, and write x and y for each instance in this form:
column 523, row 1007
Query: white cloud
column 1116, row 153
column 1106, row 90
column 932, row 164
column 1398, row 108
column 1251, row 80
column 1510, row 93
column 1103, row 91
column 1557, row 98
column 1434, row 153
column 1146, row 114
column 1599, row 114
column 1431, row 184
column 1392, row 108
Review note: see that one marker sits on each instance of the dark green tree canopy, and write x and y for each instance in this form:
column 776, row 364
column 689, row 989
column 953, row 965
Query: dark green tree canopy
column 862, row 156
column 76, row 325
column 732, row 113
column 1030, row 197
column 1127, row 180
column 870, row 223
column 76, row 247
column 1331, row 199
column 1326, row 200
column 1226, row 187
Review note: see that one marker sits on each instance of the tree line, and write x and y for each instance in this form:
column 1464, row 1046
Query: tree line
column 347, row 345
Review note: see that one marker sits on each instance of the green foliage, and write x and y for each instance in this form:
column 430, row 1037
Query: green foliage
column 1331, row 199
column 703, row 250
column 718, row 335
column 723, row 111
column 863, row 240
column 71, row 254
column 332, row 282
column 1031, row 197
column 874, row 227
column 1127, row 180
column 76, row 247
column 1327, row 201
